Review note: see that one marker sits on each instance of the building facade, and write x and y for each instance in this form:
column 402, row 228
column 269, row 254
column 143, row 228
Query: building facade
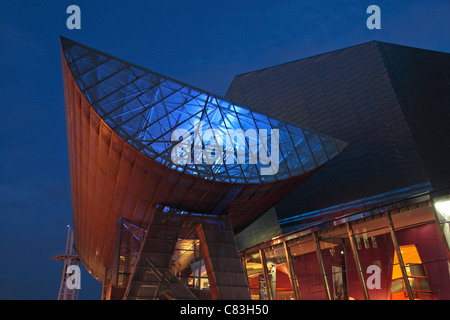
column 329, row 175
column 163, row 174
column 386, row 193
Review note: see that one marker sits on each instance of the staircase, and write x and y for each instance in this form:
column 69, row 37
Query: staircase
column 152, row 278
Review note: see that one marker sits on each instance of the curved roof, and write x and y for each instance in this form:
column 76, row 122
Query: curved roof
column 145, row 108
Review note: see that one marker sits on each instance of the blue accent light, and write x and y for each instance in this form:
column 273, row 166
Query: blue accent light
column 293, row 223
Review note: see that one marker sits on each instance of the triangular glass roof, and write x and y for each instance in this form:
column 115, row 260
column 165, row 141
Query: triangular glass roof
column 145, row 108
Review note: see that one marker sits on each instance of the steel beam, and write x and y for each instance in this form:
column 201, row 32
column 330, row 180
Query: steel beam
column 322, row 266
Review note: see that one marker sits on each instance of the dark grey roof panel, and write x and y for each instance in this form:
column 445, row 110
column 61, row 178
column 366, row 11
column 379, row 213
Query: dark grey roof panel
column 373, row 96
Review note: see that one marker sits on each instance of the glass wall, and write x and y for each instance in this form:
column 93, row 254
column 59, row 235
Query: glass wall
column 278, row 272
column 340, row 270
column 376, row 253
column 424, row 255
column 188, row 265
column 358, row 259
column 306, row 269
column 130, row 243
column 255, row 275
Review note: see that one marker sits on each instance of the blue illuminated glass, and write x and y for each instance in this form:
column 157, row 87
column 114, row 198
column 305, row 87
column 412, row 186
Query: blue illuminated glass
column 144, row 108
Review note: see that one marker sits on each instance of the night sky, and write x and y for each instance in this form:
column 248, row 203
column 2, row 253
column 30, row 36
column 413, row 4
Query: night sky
column 202, row 43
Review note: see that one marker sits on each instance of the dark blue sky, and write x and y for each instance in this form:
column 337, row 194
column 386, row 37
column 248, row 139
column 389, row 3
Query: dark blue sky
column 203, row 43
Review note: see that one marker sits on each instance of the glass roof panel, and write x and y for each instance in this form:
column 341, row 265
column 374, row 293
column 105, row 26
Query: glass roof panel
column 226, row 142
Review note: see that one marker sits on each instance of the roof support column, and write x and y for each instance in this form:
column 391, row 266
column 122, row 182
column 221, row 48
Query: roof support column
column 400, row 259
column 362, row 281
column 292, row 276
column 266, row 274
column 322, row 266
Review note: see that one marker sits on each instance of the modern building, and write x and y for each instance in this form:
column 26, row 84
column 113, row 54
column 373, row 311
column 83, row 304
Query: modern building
column 328, row 173
column 163, row 174
column 387, row 192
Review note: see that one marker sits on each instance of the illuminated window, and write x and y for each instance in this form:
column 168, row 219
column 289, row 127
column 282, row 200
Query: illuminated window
column 416, row 276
